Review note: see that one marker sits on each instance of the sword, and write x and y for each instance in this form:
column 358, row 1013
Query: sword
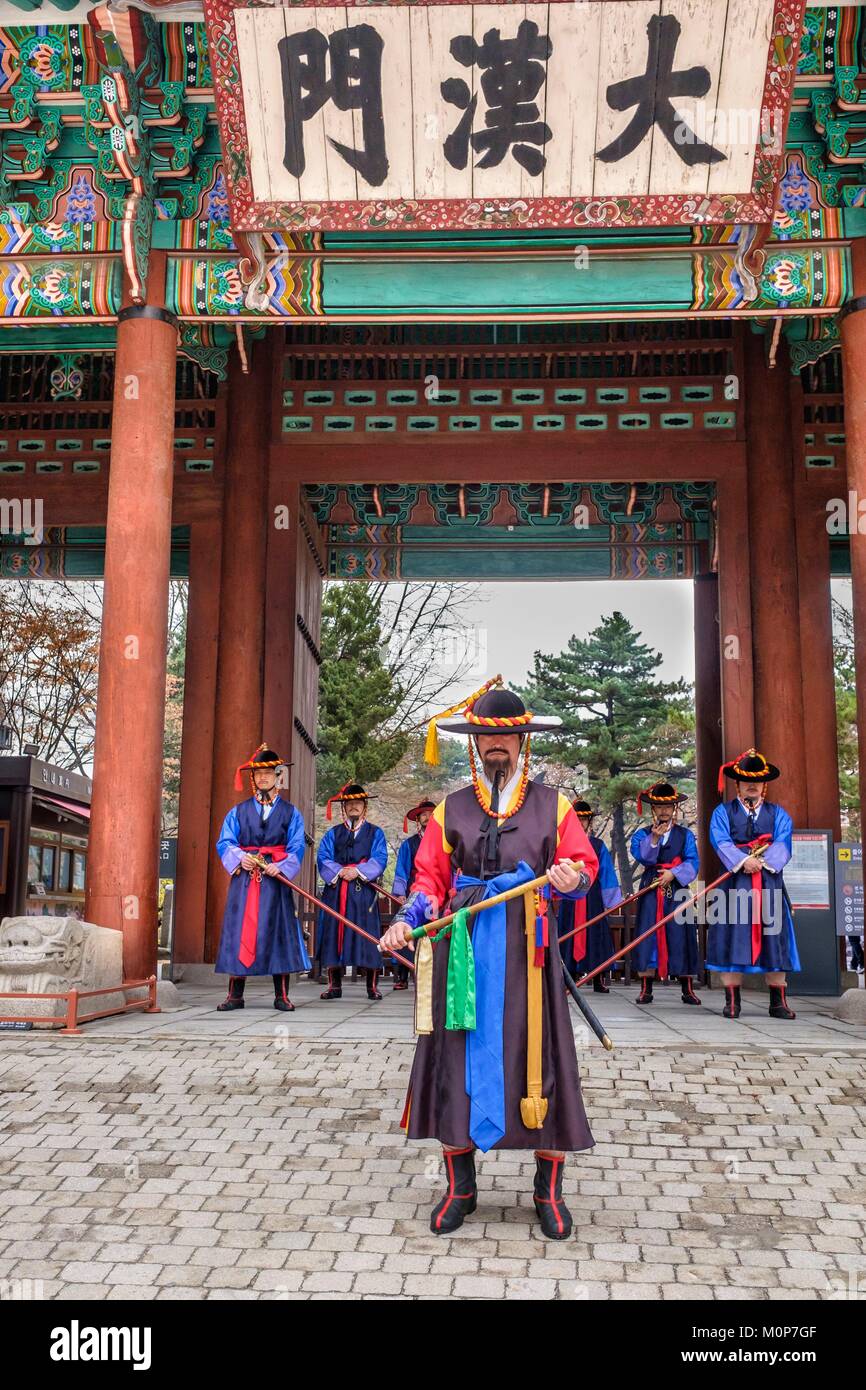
column 587, row 1012
column 386, row 894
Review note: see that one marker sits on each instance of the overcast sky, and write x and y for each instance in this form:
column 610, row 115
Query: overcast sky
column 508, row 622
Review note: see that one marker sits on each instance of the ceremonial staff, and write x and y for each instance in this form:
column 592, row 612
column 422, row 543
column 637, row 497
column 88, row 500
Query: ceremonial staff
column 608, row 910
column 690, row 902
column 262, row 863
column 431, row 928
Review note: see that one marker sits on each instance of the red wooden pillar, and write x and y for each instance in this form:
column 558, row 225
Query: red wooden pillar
column 772, row 559
column 854, row 372
column 199, row 712
column 243, row 615
column 819, row 687
column 816, row 633
column 708, row 710
column 735, row 612
column 292, row 660
column 123, row 859
column 295, row 570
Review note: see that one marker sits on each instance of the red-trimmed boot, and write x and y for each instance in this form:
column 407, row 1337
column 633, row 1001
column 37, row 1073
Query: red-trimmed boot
column 689, row 996
column 553, row 1214
column 646, row 990
column 732, row 1002
column 235, row 997
column 335, row 985
column 281, row 994
column 461, row 1198
column 779, row 1003
column 372, row 991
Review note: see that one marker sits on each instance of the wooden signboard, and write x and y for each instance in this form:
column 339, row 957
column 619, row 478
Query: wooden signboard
column 574, row 113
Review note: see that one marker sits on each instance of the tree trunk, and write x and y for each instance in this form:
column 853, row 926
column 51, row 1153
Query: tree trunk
column 620, row 850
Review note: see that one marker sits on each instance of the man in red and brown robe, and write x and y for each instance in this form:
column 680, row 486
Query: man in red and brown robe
column 511, row 1082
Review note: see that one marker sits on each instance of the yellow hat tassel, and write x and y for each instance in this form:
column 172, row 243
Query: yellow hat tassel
column 431, row 744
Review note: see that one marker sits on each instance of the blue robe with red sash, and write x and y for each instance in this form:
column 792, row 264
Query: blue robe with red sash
column 588, row 949
column 750, row 927
column 678, row 953
column 406, row 865
column 358, row 900
column 260, row 932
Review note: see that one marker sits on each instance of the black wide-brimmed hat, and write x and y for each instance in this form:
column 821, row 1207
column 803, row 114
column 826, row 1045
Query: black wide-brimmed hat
column 660, row 794
column 583, row 808
column 263, row 757
column 750, row 766
column 499, row 710
column 352, row 791
column 415, row 813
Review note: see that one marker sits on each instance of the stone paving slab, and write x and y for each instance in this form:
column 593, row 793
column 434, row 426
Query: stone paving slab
column 666, row 1023
column 224, row 1165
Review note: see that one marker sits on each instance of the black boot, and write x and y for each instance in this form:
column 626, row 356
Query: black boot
column 235, row 997
column 372, row 991
column 732, row 1002
column 553, row 1214
column 281, row 995
column 599, row 985
column 779, row 1003
column 335, row 985
column 646, row 990
column 461, row 1198
column 689, row 996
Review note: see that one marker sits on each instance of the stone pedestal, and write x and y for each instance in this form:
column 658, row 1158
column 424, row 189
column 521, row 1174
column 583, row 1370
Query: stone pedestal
column 851, row 1008
column 44, row 955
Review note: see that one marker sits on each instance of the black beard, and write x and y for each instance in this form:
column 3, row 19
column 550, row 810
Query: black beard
column 497, row 764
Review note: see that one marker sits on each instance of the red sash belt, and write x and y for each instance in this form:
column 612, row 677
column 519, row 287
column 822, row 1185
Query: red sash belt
column 341, row 907
column 662, row 936
column 757, row 896
column 579, row 941
column 250, row 923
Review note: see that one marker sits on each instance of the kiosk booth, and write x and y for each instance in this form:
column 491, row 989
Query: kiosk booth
column 44, row 825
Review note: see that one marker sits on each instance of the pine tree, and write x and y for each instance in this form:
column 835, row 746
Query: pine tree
column 623, row 728
column 358, row 695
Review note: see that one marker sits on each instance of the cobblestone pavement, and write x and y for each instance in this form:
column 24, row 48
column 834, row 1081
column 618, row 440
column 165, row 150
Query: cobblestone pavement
column 160, row 1165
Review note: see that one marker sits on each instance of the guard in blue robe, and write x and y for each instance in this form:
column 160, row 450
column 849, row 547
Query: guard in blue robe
column 404, row 872
column 588, row 949
column 260, row 932
column 750, row 925
column 351, row 858
column 668, row 851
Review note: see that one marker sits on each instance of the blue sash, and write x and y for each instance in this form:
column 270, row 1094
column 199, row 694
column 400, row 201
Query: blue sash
column 485, row 1073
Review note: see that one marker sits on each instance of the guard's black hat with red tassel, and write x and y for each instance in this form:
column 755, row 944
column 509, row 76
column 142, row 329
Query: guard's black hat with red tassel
column 660, row 794
column 352, row 791
column 750, row 766
column 415, row 813
column 263, row 757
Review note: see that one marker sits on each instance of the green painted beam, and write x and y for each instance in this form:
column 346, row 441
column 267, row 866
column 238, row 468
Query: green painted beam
column 31, row 5
column 613, row 283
